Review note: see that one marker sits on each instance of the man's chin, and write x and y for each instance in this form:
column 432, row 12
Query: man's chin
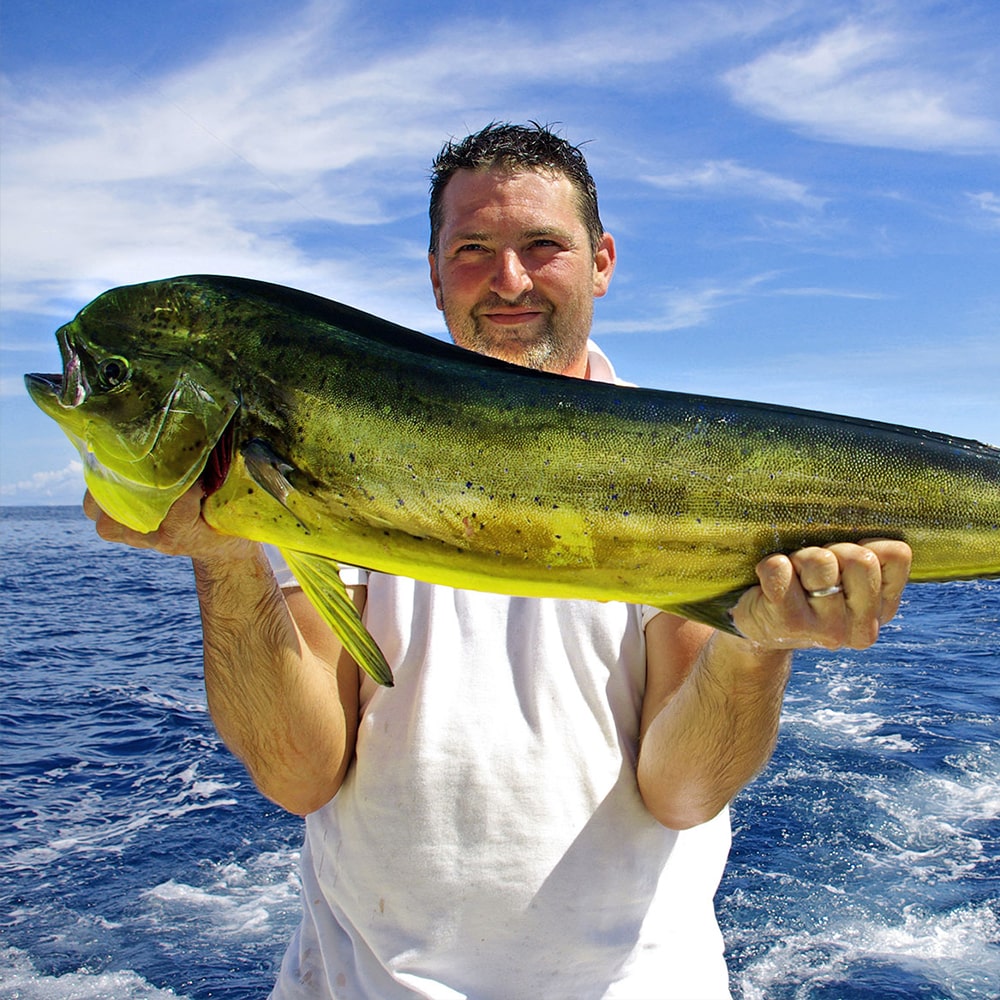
column 529, row 345
column 528, row 352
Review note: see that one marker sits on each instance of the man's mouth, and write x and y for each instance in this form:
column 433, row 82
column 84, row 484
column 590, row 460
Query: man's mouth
column 513, row 318
column 515, row 313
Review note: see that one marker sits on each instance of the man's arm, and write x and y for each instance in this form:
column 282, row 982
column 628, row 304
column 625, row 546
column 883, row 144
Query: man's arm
column 713, row 701
column 281, row 691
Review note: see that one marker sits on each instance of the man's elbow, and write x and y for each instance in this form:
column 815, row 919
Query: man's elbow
column 299, row 802
column 295, row 795
column 677, row 811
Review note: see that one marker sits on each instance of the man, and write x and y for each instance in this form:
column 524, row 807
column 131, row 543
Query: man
column 539, row 807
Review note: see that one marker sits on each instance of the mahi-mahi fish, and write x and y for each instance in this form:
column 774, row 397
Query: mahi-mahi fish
column 344, row 439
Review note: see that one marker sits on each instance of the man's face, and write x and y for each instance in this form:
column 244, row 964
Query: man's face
column 514, row 272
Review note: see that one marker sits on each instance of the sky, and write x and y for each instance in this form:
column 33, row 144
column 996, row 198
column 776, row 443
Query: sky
column 805, row 197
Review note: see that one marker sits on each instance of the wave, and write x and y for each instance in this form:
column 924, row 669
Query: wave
column 22, row 980
column 956, row 954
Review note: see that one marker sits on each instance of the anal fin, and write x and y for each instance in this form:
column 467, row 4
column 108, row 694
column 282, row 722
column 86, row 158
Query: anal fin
column 715, row 611
column 321, row 583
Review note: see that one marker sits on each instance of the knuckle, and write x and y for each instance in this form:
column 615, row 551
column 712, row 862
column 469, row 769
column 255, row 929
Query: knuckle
column 869, row 558
column 105, row 528
column 837, row 637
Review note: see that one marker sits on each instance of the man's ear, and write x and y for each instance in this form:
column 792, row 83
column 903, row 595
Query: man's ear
column 604, row 264
column 435, row 281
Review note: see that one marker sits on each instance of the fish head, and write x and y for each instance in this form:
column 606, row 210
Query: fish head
column 140, row 396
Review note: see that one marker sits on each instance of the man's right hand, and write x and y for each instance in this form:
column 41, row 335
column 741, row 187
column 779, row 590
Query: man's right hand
column 184, row 532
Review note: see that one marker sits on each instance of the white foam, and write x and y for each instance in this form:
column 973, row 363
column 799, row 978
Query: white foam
column 930, row 822
column 896, row 742
column 89, row 824
column 22, row 981
column 845, row 721
column 837, row 705
column 255, row 900
column 846, row 726
column 958, row 951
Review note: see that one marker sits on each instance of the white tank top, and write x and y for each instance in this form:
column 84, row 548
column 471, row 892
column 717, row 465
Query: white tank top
column 489, row 840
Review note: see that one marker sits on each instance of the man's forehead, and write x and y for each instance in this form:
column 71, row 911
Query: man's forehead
column 472, row 191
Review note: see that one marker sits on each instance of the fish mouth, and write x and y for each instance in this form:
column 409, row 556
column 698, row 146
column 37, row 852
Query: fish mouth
column 70, row 388
column 42, row 386
column 75, row 388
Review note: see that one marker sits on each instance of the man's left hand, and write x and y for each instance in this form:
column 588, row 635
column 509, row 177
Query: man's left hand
column 835, row 596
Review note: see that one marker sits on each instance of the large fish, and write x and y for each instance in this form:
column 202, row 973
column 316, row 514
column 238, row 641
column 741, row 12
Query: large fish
column 338, row 436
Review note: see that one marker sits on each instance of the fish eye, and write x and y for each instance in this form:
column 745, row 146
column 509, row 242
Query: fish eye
column 113, row 372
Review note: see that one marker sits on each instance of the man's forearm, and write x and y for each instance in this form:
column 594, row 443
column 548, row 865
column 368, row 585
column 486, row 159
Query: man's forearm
column 715, row 733
column 277, row 705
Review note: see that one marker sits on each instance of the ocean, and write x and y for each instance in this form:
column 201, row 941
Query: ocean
column 138, row 861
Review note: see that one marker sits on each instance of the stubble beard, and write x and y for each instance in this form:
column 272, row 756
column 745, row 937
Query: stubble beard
column 546, row 346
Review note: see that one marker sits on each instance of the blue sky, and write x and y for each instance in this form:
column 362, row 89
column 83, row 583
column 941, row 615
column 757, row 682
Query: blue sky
column 806, row 197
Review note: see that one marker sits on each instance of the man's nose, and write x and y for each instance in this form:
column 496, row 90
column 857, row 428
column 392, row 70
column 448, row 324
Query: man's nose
column 511, row 278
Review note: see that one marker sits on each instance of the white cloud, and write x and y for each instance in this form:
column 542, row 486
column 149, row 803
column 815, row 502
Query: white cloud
column 727, row 178
column 869, row 86
column 987, row 202
column 53, row 485
column 220, row 165
column 812, row 292
column 684, row 308
column 696, row 305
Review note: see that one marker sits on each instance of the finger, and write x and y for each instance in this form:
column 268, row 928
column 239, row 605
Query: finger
column 90, row 506
column 107, row 527
column 777, row 612
column 838, row 592
column 188, row 506
column 776, row 575
column 859, row 572
column 895, row 559
column 817, row 568
column 114, row 531
column 111, row 530
column 861, row 580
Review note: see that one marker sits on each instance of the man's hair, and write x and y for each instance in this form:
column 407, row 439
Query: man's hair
column 515, row 148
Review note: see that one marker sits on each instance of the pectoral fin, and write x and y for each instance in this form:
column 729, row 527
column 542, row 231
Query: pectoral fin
column 321, row 583
column 268, row 470
column 716, row 611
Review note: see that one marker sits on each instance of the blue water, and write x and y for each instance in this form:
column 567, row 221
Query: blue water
column 137, row 860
